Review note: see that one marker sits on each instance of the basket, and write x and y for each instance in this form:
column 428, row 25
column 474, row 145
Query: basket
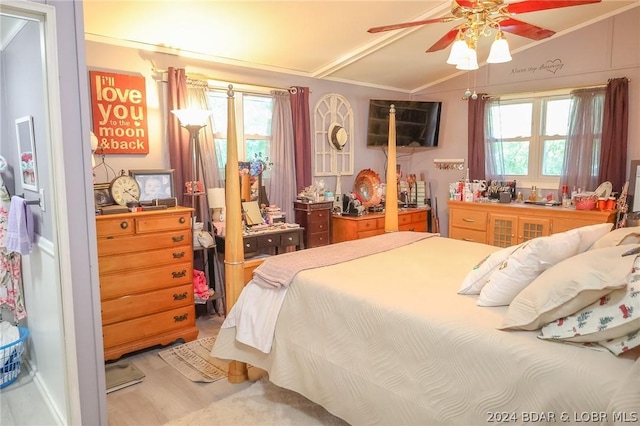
column 586, row 202
column 10, row 357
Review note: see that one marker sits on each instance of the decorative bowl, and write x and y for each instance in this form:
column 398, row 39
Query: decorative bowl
column 586, row 201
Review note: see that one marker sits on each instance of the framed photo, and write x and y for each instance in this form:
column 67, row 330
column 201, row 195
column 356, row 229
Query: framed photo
column 102, row 195
column 155, row 184
column 27, row 153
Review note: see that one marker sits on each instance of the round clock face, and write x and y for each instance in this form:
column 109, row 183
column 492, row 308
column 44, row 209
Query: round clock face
column 124, row 189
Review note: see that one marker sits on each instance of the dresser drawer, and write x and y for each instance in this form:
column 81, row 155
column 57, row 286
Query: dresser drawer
column 321, row 225
column 413, row 226
column 268, row 241
column 250, row 244
column 366, row 225
column 163, row 222
column 290, row 239
column 318, row 239
column 404, row 219
column 150, row 325
column 419, row 217
column 468, row 235
column 107, row 246
column 115, row 227
column 469, row 219
column 119, row 284
column 146, row 259
column 137, row 305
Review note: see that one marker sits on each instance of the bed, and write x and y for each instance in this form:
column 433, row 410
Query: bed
column 386, row 338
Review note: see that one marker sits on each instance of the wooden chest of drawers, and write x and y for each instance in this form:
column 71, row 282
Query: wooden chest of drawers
column 315, row 218
column 146, row 279
column 346, row 228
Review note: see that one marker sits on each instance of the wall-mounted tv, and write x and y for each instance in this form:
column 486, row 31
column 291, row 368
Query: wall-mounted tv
column 417, row 123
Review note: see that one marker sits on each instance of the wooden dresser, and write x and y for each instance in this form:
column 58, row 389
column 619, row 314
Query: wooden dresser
column 346, row 228
column 504, row 225
column 315, row 218
column 146, row 279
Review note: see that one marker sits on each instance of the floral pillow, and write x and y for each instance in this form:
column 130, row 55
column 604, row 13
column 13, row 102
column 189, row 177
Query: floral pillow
column 525, row 264
column 622, row 344
column 613, row 316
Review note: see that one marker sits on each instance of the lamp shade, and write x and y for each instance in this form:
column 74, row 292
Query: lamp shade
column 458, row 52
column 499, row 51
column 192, row 117
column 470, row 61
column 216, row 198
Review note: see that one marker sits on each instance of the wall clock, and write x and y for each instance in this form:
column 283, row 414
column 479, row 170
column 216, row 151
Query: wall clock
column 333, row 136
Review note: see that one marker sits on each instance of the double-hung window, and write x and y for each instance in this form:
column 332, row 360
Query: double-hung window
column 529, row 136
column 253, row 114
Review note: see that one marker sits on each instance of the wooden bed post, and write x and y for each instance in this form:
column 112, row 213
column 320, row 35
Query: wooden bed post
column 391, row 192
column 234, row 249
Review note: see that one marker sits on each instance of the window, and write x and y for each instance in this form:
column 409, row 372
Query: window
column 253, row 125
column 530, row 134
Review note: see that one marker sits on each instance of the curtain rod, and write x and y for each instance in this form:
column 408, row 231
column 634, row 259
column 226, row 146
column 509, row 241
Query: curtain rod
column 569, row 89
column 204, row 77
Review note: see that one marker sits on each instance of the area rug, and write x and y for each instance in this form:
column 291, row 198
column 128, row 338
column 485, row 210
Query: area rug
column 194, row 361
column 263, row 403
column 121, row 375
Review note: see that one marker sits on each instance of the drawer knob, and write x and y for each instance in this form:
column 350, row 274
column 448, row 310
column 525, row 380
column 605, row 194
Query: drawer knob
column 178, row 255
column 321, row 226
column 178, row 238
column 180, row 318
column 290, row 239
column 124, row 225
column 247, row 245
column 182, row 219
column 181, row 296
column 179, row 274
column 269, row 240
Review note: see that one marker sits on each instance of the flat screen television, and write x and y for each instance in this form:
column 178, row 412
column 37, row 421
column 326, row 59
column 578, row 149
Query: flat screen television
column 417, row 123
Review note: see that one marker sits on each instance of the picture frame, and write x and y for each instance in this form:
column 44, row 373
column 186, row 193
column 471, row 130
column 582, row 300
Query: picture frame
column 27, row 153
column 155, row 184
column 101, row 195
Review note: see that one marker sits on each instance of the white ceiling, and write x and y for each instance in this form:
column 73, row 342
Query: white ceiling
column 322, row 39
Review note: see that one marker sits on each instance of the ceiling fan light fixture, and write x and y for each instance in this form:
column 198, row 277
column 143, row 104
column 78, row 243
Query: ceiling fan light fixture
column 499, row 50
column 458, row 50
column 470, row 61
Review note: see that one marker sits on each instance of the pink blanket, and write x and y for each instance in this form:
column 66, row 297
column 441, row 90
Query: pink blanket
column 278, row 271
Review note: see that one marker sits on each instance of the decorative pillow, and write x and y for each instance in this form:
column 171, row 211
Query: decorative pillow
column 525, row 264
column 590, row 234
column 615, row 237
column 478, row 276
column 614, row 315
column 622, row 344
column 568, row 286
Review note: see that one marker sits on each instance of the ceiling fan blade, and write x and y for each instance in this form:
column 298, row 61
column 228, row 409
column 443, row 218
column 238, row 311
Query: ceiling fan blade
column 410, row 24
column 535, row 5
column 525, row 29
column 444, row 41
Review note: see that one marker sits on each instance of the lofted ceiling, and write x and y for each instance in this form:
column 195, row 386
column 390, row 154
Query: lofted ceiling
column 322, row 39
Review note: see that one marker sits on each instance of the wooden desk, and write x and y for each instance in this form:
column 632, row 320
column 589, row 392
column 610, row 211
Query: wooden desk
column 346, row 228
column 275, row 241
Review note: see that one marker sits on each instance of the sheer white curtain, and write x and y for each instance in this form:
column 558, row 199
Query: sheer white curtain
column 582, row 152
column 494, row 158
column 282, row 184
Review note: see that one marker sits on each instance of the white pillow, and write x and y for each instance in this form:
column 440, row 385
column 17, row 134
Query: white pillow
column 525, row 264
column 614, row 237
column 614, row 315
column 478, row 276
column 590, row 234
column 569, row 286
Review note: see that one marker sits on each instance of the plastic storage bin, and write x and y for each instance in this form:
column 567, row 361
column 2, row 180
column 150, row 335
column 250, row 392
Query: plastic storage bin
column 10, row 358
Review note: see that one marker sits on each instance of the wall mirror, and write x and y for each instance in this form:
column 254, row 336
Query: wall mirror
column 26, row 153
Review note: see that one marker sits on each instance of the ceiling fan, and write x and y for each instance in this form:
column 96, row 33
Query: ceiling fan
column 481, row 16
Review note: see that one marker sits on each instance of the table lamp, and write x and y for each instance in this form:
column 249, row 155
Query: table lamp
column 216, row 198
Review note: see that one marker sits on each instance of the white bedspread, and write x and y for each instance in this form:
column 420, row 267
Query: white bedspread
column 386, row 340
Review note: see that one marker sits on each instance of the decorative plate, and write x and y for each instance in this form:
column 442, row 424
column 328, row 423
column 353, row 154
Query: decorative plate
column 604, row 190
column 367, row 187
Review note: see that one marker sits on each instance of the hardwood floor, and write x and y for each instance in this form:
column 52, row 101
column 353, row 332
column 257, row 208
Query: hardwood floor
column 162, row 396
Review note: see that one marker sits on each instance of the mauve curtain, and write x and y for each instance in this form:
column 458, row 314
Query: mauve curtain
column 494, row 157
column 179, row 156
column 613, row 153
column 282, row 184
column 302, row 136
column 583, row 147
column 476, row 139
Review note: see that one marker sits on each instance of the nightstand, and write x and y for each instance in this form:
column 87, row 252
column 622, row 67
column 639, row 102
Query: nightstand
column 315, row 218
